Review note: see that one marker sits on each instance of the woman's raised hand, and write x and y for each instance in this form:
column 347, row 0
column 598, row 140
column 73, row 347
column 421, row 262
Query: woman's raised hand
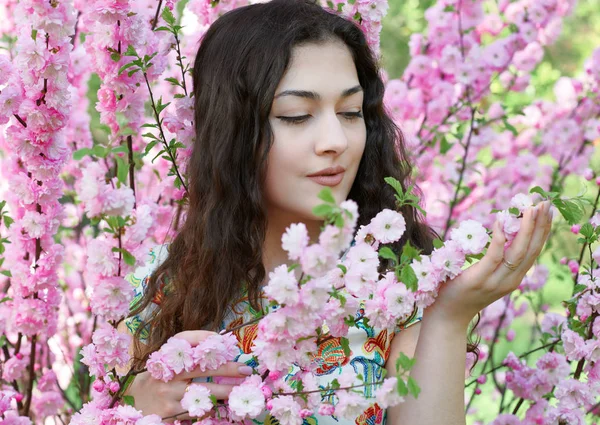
column 153, row 396
column 499, row 272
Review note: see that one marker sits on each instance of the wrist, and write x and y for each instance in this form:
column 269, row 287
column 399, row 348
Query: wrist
column 453, row 321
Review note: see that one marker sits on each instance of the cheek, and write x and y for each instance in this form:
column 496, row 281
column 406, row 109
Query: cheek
column 284, row 168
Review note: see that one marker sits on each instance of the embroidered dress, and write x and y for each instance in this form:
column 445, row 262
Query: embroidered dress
column 369, row 347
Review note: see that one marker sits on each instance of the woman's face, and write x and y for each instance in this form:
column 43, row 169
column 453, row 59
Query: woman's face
column 321, row 86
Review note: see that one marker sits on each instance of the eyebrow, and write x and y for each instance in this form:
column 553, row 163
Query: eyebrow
column 316, row 96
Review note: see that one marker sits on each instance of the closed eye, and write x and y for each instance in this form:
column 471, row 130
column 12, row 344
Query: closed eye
column 350, row 116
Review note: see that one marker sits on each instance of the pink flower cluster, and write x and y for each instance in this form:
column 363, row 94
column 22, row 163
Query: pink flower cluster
column 177, row 355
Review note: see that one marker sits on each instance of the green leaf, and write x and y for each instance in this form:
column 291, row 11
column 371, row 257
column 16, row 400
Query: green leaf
column 163, row 29
column 409, row 278
column 99, row 151
column 343, row 268
column 402, row 388
column 128, row 400
column 115, row 56
column 322, row 210
column 388, row 254
column 578, row 288
column 409, row 252
column 510, row 127
column 5, row 299
column 127, row 257
column 173, row 81
column 160, row 107
column 514, row 211
column 395, row 185
column 120, row 149
column 438, row 243
column 34, row 33
column 167, row 15
column 6, row 273
column 445, row 146
column 80, row 153
column 345, row 343
column 124, row 67
column 127, row 131
column 122, row 169
column 413, row 387
column 149, row 146
column 587, row 230
column 571, row 211
column 326, row 195
column 7, row 221
column 130, row 51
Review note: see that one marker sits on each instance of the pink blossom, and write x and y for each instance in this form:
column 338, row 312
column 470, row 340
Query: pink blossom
column 213, row 352
column 448, row 260
column 388, row 226
column 350, row 405
column 282, row 286
column 196, row 400
column 574, row 345
column 178, row 355
column 471, row 237
column 158, row 368
column 387, row 394
column 286, row 410
column 247, row 400
column 316, row 260
column 295, row 240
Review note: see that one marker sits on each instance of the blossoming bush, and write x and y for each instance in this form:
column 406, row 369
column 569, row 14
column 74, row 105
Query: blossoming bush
column 79, row 215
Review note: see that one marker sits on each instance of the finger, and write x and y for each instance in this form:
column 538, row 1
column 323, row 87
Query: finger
column 518, row 249
column 495, row 251
column 220, row 391
column 194, row 337
column 229, row 369
column 543, row 226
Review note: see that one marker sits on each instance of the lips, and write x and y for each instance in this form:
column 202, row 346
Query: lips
column 330, row 180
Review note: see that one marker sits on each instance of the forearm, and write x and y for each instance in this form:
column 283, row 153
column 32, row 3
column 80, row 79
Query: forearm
column 440, row 373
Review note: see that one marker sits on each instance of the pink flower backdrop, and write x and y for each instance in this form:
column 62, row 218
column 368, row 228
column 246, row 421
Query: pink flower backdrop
column 78, row 215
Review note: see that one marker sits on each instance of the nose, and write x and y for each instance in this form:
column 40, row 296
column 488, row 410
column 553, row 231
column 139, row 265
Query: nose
column 332, row 136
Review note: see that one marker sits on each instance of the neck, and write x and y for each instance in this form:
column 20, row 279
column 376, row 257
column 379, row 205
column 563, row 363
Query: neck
column 273, row 254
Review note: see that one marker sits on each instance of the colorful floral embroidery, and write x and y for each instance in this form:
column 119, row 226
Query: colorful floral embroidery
column 369, row 347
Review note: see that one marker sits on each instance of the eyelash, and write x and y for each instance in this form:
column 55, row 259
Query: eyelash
column 350, row 116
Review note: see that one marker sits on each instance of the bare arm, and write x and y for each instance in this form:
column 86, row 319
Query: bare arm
column 440, row 349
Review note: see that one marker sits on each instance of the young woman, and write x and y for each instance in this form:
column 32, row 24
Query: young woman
column 285, row 90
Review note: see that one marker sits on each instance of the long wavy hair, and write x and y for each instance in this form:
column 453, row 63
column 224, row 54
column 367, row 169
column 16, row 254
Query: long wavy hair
column 218, row 251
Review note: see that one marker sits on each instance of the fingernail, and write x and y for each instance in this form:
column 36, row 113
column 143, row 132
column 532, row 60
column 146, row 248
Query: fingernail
column 245, row 370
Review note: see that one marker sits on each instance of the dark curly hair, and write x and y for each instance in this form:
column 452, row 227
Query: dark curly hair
column 238, row 66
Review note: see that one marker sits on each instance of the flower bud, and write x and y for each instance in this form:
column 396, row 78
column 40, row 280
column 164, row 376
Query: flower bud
column 114, row 386
column 564, row 260
column 19, row 356
column 482, row 379
column 305, row 413
column 98, row 385
column 510, row 335
column 588, row 174
column 268, row 393
column 574, row 266
column 274, row 375
column 18, row 397
column 575, row 228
